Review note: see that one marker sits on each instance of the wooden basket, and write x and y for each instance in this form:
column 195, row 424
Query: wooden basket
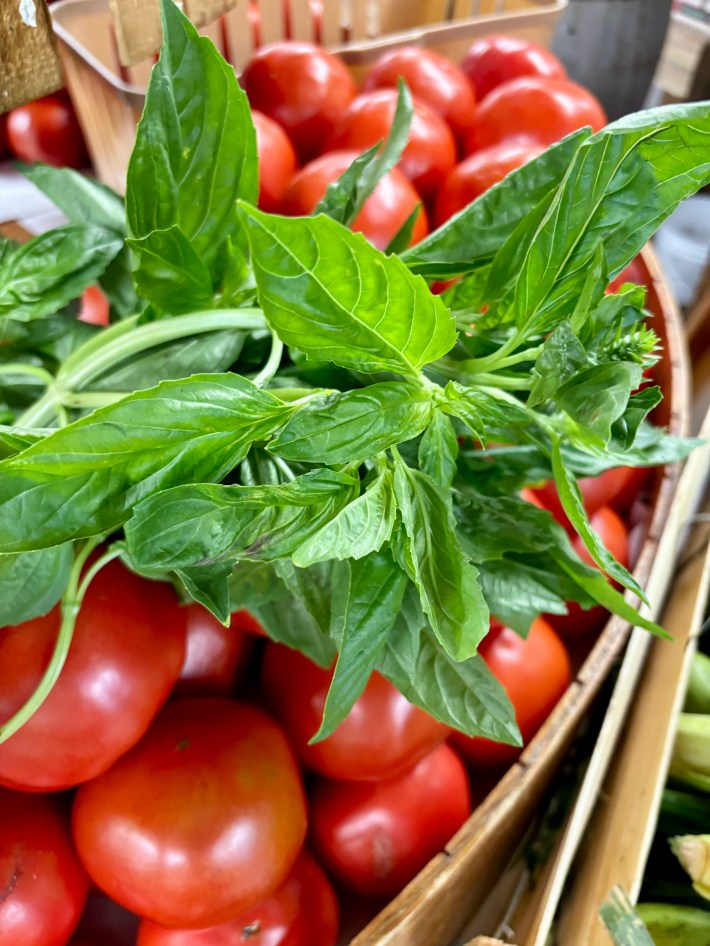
column 109, row 97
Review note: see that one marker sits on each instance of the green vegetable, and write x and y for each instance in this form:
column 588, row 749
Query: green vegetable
column 693, row 853
column 697, row 697
column 671, row 925
column 690, row 763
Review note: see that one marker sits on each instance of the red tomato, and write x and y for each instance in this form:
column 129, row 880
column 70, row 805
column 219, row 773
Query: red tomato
column 433, row 78
column 94, row 307
column 476, row 174
column 617, row 487
column 244, row 621
column 495, row 59
column 302, row 912
column 201, row 820
column 302, row 87
column 382, row 736
column 535, row 673
column 376, row 836
column 43, row 886
column 430, row 152
column 216, row 655
column 125, row 657
column 384, row 212
column 534, row 110
column 277, row 161
column 47, row 130
column 634, row 272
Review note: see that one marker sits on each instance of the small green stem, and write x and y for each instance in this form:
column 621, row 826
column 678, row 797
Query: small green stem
column 507, row 382
column 32, row 371
column 284, row 467
column 498, row 358
column 272, row 364
column 92, row 399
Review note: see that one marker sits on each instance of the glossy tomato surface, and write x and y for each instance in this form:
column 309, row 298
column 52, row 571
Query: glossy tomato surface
column 201, row 820
column 277, row 161
column 430, row 152
column 376, row 836
column 432, row 78
column 534, row 672
column 216, row 656
column 47, row 130
column 125, row 657
column 302, row 87
column 384, row 212
column 535, row 110
column 473, row 176
column 382, row 736
column 43, row 886
column 303, row 911
column 246, row 622
column 495, row 59
column 94, row 307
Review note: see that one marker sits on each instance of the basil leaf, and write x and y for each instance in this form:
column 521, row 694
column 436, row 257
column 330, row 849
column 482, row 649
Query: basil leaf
column 518, row 593
column 463, row 694
column 374, row 598
column 489, row 527
column 209, row 586
column 195, row 150
column 445, row 578
column 259, row 588
column 640, row 404
column 43, row 275
column 33, row 582
column 403, row 237
column 561, row 357
column 359, row 529
column 80, row 198
column 354, row 425
column 344, row 198
column 84, row 479
column 597, row 396
column 13, row 440
column 571, row 500
column 334, row 297
column 438, row 450
column 474, row 235
column 170, row 274
column 190, row 525
column 315, row 587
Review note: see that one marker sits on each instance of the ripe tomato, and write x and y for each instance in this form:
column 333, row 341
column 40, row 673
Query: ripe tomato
column 201, row 820
column 634, row 272
column 384, row 212
column 303, row 911
column 617, row 487
column 534, row 110
column 94, row 307
column 495, row 59
column 535, row 673
column 277, row 161
column 433, row 78
column 47, row 130
column 43, row 886
column 302, row 87
column 216, row 656
column 382, row 736
column 376, row 836
column 476, row 174
column 244, row 621
column 125, row 657
column 430, row 152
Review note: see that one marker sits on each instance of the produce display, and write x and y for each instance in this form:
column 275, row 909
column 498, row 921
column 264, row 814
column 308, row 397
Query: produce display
column 297, row 522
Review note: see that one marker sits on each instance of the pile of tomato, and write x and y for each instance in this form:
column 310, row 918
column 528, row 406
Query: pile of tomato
column 46, row 130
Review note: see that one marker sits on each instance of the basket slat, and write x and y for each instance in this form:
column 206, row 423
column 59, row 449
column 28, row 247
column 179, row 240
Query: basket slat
column 238, row 34
column 138, row 32
column 271, row 18
column 202, row 12
column 29, row 64
column 331, row 30
column 302, row 21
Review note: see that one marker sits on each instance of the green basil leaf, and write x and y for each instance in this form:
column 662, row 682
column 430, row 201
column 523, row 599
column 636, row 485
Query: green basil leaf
column 438, row 450
column 344, row 198
column 597, row 396
column 259, row 588
column 190, row 525
column 373, row 601
column 561, row 357
column 462, row 694
column 474, row 235
column 314, row 586
column 33, row 582
column 461, row 405
column 209, row 586
column 13, row 440
column 500, row 471
column 43, row 275
column 403, row 237
column 170, row 274
column 195, row 150
column 490, row 527
column 84, row 479
column 640, row 404
column 80, row 198
column 571, row 500
column 359, row 529
column 447, row 581
column 518, row 593
column 334, row 297
column 354, row 425
column 482, row 408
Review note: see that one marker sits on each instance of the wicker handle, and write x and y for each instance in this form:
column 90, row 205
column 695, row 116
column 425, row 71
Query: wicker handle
column 29, row 66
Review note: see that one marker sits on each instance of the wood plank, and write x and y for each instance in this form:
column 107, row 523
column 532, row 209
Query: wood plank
column 29, row 64
column 202, row 12
column 138, row 29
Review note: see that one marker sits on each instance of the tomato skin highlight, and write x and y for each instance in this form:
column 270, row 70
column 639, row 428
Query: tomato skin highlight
column 384, row 211
column 125, row 658
column 216, row 656
column 43, row 886
column 495, row 59
column 201, row 820
column 303, row 911
column 47, row 130
column 533, row 110
column 376, row 836
column 535, row 674
column 94, row 307
column 382, row 736
column 277, row 161
column 302, row 87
